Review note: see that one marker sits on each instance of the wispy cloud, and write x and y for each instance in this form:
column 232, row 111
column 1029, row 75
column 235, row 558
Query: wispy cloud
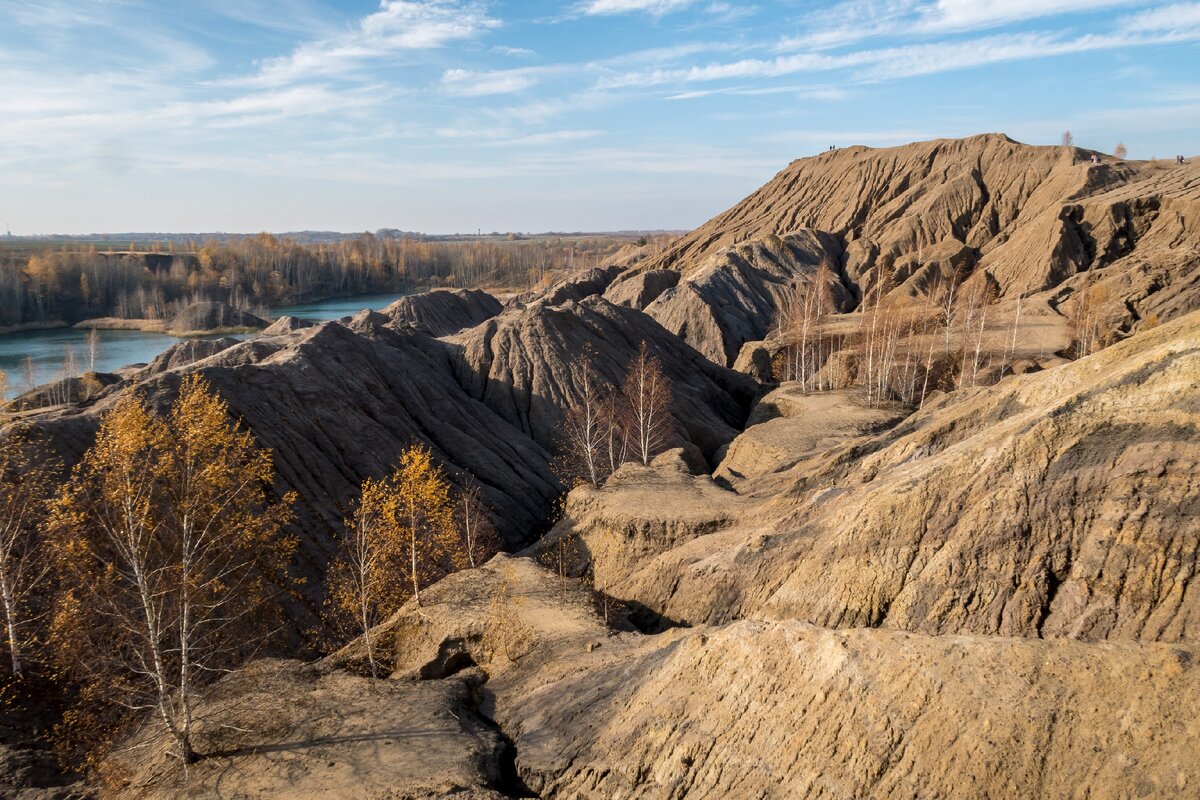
column 466, row 83
column 654, row 7
column 397, row 26
column 912, row 59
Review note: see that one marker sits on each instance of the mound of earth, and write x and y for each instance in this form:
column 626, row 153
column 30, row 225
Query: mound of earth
column 285, row 325
column 443, row 311
column 209, row 316
column 524, row 364
column 762, row 709
column 337, row 735
column 189, row 352
column 508, row 679
column 909, row 219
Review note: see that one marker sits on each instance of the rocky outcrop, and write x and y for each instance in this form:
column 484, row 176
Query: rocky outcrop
column 210, row 316
column 750, row 709
column 788, row 426
column 443, row 311
column 337, row 405
column 337, row 735
column 524, row 365
column 638, row 290
column 908, row 219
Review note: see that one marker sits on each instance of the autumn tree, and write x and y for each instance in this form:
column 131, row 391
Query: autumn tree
column 646, row 396
column 169, row 550
column 1068, row 140
column 26, row 485
column 423, row 517
column 1120, row 151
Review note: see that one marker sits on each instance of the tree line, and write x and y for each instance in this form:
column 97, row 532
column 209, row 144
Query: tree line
column 254, row 273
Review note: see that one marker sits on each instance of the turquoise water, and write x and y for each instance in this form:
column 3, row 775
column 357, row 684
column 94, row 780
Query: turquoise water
column 48, row 349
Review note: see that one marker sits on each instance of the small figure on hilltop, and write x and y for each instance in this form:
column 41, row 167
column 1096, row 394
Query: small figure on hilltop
column 1095, row 158
column 1178, row 159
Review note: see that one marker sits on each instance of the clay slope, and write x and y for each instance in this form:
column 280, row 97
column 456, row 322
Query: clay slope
column 1059, row 504
column 909, row 218
column 510, row 652
column 337, row 404
column 524, row 365
column 734, row 295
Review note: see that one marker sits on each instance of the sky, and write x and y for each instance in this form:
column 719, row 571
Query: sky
column 448, row 116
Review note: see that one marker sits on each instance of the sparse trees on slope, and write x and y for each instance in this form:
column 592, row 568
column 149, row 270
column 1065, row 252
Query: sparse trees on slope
column 647, row 404
column 168, row 550
column 1086, row 319
column 364, row 585
column 26, row 485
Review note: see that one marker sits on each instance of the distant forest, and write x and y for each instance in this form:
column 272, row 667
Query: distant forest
column 70, row 282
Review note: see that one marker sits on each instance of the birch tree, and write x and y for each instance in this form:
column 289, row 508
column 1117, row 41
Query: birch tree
column 168, row 550
column 647, row 405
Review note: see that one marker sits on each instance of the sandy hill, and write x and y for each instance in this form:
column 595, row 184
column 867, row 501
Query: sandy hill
column 907, row 219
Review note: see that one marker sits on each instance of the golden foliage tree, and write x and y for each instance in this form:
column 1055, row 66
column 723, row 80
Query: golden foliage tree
column 26, row 485
column 168, row 549
column 400, row 538
column 363, row 582
column 423, row 517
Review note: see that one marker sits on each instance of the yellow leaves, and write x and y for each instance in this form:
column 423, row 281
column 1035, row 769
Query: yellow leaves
column 401, row 537
column 168, row 548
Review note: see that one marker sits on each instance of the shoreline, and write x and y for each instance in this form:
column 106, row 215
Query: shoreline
column 156, row 326
column 23, row 327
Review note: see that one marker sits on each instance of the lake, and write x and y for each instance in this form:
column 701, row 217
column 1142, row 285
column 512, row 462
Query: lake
column 49, row 348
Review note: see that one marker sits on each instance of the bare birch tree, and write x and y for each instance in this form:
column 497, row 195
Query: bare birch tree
column 585, row 432
column 647, row 404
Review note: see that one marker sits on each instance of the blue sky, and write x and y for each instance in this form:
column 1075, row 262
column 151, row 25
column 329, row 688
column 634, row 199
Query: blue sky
column 246, row 115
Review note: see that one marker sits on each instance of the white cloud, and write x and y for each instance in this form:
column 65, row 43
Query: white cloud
column 515, row 52
column 397, row 26
column 960, row 15
column 1177, row 17
column 466, row 83
column 857, row 20
column 905, row 60
column 654, row 7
